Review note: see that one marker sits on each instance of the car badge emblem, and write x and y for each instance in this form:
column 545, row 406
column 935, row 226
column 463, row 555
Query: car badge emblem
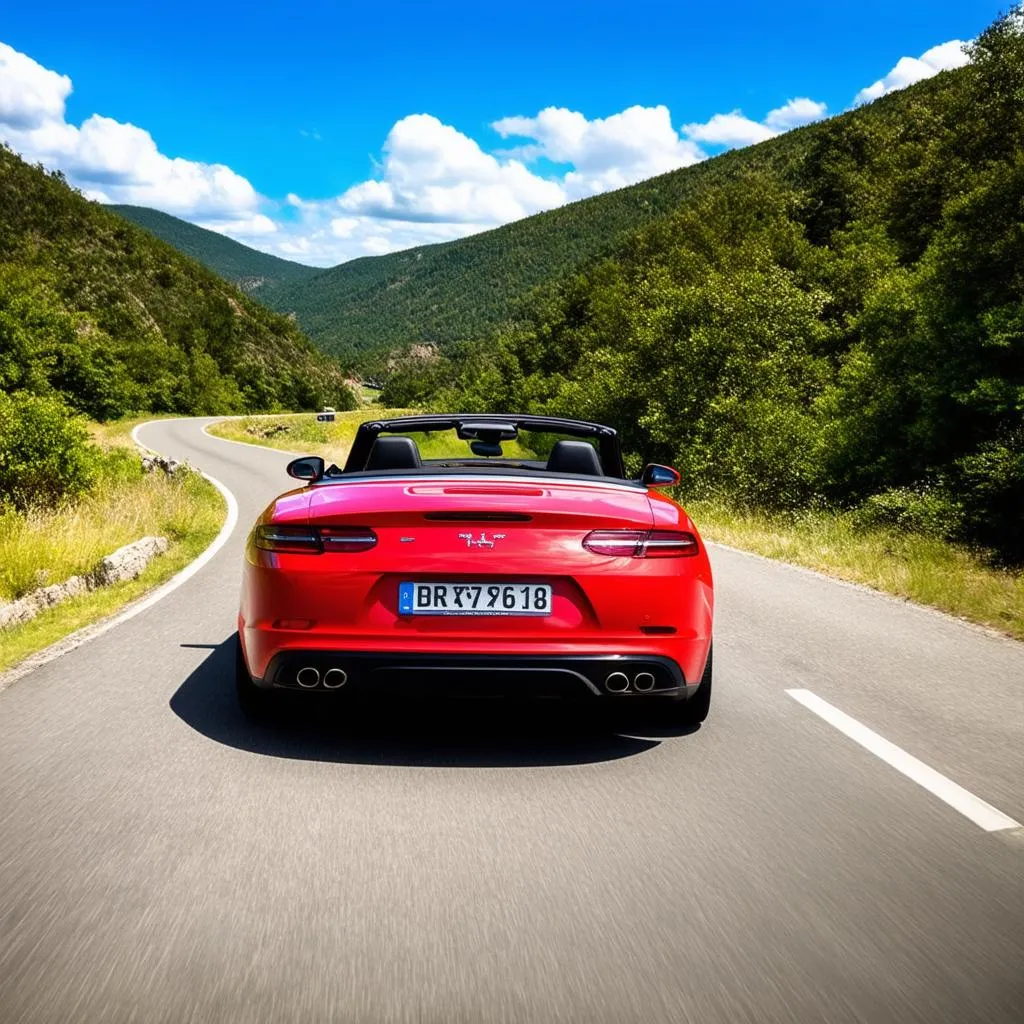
column 483, row 541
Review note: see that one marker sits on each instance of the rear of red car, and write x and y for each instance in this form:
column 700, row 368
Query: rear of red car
column 574, row 587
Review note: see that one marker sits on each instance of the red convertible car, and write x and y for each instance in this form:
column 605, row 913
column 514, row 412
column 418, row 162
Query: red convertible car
column 504, row 555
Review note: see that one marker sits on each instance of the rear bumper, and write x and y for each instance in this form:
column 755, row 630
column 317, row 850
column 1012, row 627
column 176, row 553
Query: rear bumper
column 584, row 677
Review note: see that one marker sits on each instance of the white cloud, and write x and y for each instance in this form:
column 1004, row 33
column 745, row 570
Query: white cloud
column 377, row 245
column 112, row 161
column 908, row 70
column 30, row 95
column 737, row 130
column 324, row 234
column 344, row 227
column 433, row 173
column 606, row 152
column 794, row 113
column 729, row 130
column 249, row 227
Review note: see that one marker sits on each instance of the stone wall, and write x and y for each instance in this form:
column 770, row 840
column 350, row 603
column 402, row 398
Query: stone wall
column 124, row 564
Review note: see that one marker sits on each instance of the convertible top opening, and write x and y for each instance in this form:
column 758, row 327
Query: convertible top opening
column 516, row 444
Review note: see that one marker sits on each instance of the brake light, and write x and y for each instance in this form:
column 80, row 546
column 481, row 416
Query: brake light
column 288, row 538
column 311, row 540
column 669, row 544
column 641, row 543
column 347, row 538
column 615, row 542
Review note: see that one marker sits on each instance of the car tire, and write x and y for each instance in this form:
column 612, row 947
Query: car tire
column 254, row 702
column 694, row 710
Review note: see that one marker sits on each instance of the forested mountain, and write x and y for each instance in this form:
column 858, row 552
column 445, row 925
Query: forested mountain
column 843, row 327
column 250, row 269
column 466, row 289
column 463, row 289
column 101, row 313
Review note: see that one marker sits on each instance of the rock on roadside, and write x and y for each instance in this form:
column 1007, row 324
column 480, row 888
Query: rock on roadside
column 151, row 463
column 128, row 562
column 125, row 563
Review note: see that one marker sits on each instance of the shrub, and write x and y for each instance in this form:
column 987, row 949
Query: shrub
column 118, row 466
column 991, row 486
column 931, row 512
column 45, row 454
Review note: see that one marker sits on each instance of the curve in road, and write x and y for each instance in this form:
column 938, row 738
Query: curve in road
column 161, row 859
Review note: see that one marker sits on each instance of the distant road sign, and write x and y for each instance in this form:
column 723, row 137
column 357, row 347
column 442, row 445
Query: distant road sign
column 325, row 417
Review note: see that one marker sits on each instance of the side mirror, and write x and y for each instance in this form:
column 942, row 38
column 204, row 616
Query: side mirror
column 659, row 476
column 309, row 467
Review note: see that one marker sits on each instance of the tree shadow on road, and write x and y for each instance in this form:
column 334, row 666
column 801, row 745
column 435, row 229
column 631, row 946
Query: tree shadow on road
column 482, row 734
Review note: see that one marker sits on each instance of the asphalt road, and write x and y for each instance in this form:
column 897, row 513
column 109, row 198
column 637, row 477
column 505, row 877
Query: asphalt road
column 163, row 860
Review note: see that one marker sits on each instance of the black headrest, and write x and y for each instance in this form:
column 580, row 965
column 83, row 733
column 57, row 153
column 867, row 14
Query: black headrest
column 394, row 453
column 574, row 457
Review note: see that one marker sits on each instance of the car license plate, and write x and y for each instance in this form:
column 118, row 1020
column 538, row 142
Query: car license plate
column 474, row 598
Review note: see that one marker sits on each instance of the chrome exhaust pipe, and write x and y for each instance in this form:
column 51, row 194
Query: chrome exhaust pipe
column 644, row 682
column 308, row 677
column 617, row 682
column 335, row 677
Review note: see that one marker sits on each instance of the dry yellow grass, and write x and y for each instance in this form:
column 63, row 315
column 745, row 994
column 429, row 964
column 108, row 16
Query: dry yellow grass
column 118, row 433
column 923, row 569
column 48, row 546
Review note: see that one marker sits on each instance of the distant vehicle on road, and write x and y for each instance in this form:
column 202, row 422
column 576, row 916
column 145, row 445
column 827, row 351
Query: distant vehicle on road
column 517, row 560
column 326, row 416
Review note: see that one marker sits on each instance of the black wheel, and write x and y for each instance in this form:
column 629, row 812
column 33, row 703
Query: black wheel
column 254, row 702
column 695, row 709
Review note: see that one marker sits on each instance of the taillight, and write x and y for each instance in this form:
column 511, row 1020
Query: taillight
column 288, row 538
column 615, row 542
column 347, row 538
column 669, row 544
column 311, row 540
column 641, row 543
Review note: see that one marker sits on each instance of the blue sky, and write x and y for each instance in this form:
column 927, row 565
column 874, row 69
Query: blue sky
column 328, row 131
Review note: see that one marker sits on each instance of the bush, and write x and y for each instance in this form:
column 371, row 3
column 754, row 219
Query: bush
column 118, row 467
column 45, row 454
column 991, row 485
column 931, row 512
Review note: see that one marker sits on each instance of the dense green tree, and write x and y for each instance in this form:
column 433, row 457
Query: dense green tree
column 45, row 455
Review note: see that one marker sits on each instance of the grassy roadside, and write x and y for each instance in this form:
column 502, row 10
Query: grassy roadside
column 49, row 546
column 118, row 433
column 922, row 569
column 332, row 441
column 303, row 433
column 918, row 568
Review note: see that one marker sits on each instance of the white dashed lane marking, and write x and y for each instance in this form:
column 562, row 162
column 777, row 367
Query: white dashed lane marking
column 983, row 815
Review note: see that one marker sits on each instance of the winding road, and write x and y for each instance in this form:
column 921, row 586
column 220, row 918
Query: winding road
column 839, row 842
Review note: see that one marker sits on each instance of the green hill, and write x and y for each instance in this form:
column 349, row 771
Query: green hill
column 113, row 320
column 463, row 289
column 467, row 288
column 246, row 267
